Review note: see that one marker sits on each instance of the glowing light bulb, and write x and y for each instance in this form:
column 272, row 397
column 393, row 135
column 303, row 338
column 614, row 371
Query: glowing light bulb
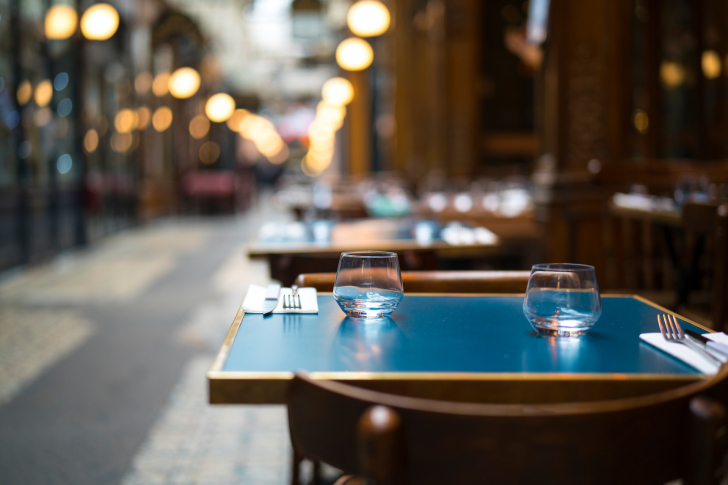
column 60, row 22
column 99, row 22
column 354, row 54
column 368, row 18
column 184, row 82
column 337, row 91
column 220, row 107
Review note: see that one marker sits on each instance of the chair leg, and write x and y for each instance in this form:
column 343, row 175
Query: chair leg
column 316, row 475
column 707, row 442
column 296, row 459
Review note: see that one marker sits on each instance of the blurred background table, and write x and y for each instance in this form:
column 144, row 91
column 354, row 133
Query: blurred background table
column 297, row 247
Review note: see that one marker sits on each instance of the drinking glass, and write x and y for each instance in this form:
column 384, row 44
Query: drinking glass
column 562, row 300
column 368, row 283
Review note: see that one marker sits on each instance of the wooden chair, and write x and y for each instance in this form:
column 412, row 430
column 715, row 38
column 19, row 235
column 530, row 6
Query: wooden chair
column 439, row 281
column 656, row 438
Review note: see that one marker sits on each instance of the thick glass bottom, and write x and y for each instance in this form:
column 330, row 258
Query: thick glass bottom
column 561, row 332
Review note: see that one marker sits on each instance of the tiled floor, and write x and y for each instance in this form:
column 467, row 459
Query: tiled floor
column 103, row 356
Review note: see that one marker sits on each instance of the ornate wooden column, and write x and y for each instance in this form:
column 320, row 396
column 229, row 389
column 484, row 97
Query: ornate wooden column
column 585, row 80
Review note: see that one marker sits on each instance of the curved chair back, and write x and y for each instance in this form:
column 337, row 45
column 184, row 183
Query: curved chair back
column 402, row 440
column 439, row 281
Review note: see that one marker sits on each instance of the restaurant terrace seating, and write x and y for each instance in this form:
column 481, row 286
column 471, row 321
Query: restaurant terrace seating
column 654, row 438
column 439, row 281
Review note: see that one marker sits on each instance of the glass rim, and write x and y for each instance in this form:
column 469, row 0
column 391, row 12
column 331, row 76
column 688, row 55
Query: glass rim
column 562, row 267
column 369, row 254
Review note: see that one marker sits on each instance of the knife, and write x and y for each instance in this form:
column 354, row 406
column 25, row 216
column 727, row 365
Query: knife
column 271, row 299
column 719, row 350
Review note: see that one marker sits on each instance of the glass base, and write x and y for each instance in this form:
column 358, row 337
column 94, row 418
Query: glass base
column 364, row 313
column 562, row 332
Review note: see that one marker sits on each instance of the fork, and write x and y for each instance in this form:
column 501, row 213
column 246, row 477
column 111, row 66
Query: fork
column 292, row 301
column 673, row 332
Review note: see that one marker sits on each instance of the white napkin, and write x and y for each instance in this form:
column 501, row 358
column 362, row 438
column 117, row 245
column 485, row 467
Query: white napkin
column 719, row 337
column 254, row 298
column 681, row 352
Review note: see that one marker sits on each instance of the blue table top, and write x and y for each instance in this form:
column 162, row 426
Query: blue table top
column 484, row 334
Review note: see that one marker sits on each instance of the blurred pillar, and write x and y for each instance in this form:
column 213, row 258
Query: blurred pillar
column 360, row 124
column 403, row 96
column 80, row 232
column 22, row 221
column 462, row 66
column 437, row 68
column 586, row 119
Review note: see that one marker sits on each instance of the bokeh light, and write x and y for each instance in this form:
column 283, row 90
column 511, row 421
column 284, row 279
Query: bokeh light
column 43, row 93
column 24, row 92
column 220, row 107
column 64, row 163
column 354, row 54
column 234, row 121
column 143, row 82
column 262, row 132
column 60, row 22
column 42, row 117
column 121, row 142
column 368, row 18
column 99, row 22
column 61, row 81
column 125, row 121
column 160, row 85
column 710, row 62
column 672, row 74
column 65, row 106
column 199, row 126
column 143, row 118
column 641, row 121
column 91, row 141
column 337, row 91
column 184, row 83
column 209, row 152
column 162, row 118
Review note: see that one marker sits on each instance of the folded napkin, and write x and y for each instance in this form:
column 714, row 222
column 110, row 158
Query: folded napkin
column 254, row 298
column 682, row 352
column 719, row 337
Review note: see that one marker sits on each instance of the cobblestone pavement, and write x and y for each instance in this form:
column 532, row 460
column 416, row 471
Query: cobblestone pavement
column 103, row 356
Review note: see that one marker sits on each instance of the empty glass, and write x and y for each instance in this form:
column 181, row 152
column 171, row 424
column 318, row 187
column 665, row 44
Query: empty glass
column 562, row 300
column 368, row 283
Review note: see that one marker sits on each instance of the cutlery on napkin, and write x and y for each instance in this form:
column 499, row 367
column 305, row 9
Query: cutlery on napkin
column 255, row 299
column 685, row 353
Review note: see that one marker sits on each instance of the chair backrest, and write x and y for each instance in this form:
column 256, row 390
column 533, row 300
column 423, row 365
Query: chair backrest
column 401, row 440
column 439, row 281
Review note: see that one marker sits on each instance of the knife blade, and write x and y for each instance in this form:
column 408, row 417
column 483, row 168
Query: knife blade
column 271, row 299
column 719, row 350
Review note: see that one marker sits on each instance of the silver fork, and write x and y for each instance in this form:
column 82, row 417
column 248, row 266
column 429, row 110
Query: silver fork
column 292, row 302
column 672, row 331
